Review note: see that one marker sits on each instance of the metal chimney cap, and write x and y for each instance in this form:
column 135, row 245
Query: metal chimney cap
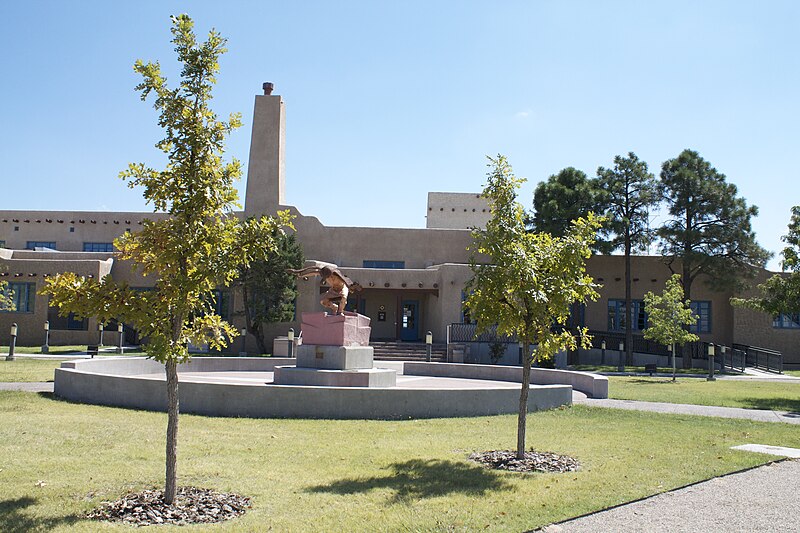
column 268, row 87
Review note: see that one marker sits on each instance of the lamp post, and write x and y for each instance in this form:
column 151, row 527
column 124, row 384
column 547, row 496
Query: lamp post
column 711, row 363
column 621, row 364
column 120, row 337
column 428, row 347
column 243, row 353
column 13, row 343
column 46, row 345
column 603, row 352
column 290, row 348
column 100, row 329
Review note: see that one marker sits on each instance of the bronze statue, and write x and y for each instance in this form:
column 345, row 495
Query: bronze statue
column 339, row 285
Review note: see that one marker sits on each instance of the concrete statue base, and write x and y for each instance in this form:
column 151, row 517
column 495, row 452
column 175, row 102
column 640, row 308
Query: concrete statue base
column 320, row 377
column 349, row 329
column 335, row 366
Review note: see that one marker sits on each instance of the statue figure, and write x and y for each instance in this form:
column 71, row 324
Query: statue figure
column 339, row 285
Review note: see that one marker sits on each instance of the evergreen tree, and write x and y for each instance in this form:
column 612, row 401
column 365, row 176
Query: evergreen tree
column 564, row 197
column 631, row 191
column 709, row 230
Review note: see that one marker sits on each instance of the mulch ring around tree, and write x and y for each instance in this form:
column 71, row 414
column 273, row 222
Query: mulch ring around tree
column 191, row 506
column 533, row 462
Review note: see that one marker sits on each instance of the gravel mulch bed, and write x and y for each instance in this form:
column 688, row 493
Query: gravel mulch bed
column 533, row 462
column 192, row 506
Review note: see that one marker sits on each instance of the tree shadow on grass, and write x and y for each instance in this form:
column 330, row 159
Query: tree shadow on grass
column 774, row 404
column 652, row 381
column 14, row 519
column 418, row 478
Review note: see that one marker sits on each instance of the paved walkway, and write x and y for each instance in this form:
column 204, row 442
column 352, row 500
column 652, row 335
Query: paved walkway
column 766, row 498
column 700, row 410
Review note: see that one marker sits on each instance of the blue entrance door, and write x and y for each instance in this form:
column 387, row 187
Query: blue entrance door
column 409, row 325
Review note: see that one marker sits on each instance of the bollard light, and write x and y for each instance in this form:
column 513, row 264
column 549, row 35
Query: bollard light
column 428, row 347
column 46, row 345
column 13, row 343
column 244, row 342
column 120, row 331
column 711, row 363
column 290, row 346
column 100, row 329
column 603, row 352
column 621, row 364
column 603, row 345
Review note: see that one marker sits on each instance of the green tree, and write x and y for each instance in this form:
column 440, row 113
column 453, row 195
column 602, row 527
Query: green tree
column 6, row 297
column 564, row 197
column 709, row 230
column 530, row 280
column 268, row 290
column 669, row 317
column 199, row 247
column 631, row 191
column 780, row 294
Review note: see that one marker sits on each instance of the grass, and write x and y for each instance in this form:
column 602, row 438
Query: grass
column 62, row 459
column 792, row 373
column 635, row 369
column 723, row 393
column 27, row 370
column 54, row 350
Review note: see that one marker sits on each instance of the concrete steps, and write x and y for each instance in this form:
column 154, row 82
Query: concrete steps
column 408, row 351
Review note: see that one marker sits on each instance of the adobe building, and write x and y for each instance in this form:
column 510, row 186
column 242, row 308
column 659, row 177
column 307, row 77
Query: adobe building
column 413, row 279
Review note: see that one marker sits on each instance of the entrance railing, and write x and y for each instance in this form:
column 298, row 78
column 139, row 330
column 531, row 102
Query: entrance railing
column 769, row 360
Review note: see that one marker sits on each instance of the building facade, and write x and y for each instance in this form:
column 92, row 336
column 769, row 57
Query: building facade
column 413, row 279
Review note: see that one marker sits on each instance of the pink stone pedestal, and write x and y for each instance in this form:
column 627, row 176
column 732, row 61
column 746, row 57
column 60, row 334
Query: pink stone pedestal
column 335, row 353
column 323, row 329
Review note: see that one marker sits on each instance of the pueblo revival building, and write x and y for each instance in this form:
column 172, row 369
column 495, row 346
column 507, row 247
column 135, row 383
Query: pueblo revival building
column 413, row 279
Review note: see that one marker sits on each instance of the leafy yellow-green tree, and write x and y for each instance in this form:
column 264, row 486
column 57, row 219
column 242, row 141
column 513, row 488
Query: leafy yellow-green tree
column 199, row 247
column 780, row 294
column 669, row 317
column 524, row 283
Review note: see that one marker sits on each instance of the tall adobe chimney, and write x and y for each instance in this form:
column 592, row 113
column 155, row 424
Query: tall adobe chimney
column 266, row 168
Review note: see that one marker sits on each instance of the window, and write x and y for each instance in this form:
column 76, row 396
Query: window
column 616, row 315
column 98, row 247
column 2, row 244
column 23, row 296
column 40, row 244
column 70, row 322
column 221, row 303
column 384, row 264
column 786, row 321
column 702, row 311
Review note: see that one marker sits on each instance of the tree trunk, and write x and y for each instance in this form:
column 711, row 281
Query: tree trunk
column 258, row 333
column 628, row 302
column 171, row 483
column 686, row 278
column 253, row 327
column 523, row 400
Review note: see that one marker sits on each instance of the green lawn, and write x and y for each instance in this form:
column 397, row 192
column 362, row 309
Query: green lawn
column 698, row 391
column 61, row 459
column 635, row 369
column 27, row 370
column 792, row 372
column 54, row 350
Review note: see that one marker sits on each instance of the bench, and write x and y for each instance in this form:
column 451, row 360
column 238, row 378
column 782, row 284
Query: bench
column 651, row 369
column 92, row 349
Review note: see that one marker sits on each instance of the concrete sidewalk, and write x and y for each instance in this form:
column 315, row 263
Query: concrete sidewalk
column 759, row 415
column 761, row 499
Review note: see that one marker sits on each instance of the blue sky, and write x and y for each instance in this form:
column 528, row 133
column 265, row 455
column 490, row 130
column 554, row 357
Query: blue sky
column 390, row 100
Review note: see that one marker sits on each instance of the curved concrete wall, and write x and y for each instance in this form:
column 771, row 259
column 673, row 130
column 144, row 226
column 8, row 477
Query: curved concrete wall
column 592, row 385
column 114, row 382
